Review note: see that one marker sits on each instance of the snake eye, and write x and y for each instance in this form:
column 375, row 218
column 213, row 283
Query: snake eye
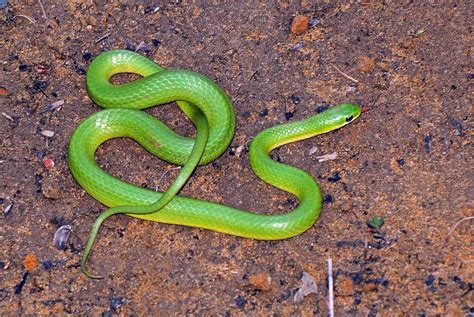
column 349, row 118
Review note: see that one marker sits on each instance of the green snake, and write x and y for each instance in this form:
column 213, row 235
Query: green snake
column 211, row 111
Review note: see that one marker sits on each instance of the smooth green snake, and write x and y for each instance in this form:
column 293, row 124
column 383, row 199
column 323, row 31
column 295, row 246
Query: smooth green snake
column 212, row 113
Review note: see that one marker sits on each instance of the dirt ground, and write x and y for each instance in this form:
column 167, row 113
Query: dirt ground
column 408, row 159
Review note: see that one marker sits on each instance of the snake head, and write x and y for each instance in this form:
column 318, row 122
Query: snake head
column 343, row 114
column 350, row 111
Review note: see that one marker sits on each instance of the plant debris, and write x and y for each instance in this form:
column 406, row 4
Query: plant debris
column 376, row 222
column 308, row 286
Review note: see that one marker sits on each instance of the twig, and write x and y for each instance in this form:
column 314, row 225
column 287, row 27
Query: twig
column 253, row 75
column 7, row 210
column 42, row 9
column 454, row 227
column 166, row 172
column 330, row 289
column 327, row 157
column 247, row 144
column 345, row 75
column 8, row 117
column 24, row 16
column 366, row 247
column 102, row 37
column 142, row 44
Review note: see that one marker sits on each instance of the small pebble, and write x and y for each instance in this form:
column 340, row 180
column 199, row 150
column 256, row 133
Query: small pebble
column 47, row 133
column 130, row 45
column 49, row 163
column 357, row 277
column 295, row 99
column 156, row 42
column 149, row 9
column 300, row 24
column 40, row 85
column 291, row 202
column 55, row 105
column 38, row 183
column 288, row 115
column 296, row 47
column 239, row 149
column 115, row 302
column 427, row 142
column 47, row 265
column 246, row 114
column 458, row 128
column 7, row 210
column 61, row 236
column 240, row 302
column 23, row 67
column 313, row 22
column 334, row 178
column 263, row 113
column 3, row 91
column 87, row 56
column 347, row 206
column 41, row 69
column 312, row 150
column 30, row 262
column 327, row 199
column 465, row 285
column 429, row 280
column 261, row 281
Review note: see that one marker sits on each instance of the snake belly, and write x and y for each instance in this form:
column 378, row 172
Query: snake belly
column 196, row 96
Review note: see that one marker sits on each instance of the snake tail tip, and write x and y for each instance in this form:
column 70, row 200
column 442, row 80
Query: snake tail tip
column 365, row 109
column 90, row 275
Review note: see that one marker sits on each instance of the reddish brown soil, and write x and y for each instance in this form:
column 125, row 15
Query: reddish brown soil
column 410, row 159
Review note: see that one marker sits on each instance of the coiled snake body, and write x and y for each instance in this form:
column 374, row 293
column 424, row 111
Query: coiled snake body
column 211, row 111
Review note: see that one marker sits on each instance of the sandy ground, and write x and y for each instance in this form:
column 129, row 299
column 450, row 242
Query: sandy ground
column 409, row 159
